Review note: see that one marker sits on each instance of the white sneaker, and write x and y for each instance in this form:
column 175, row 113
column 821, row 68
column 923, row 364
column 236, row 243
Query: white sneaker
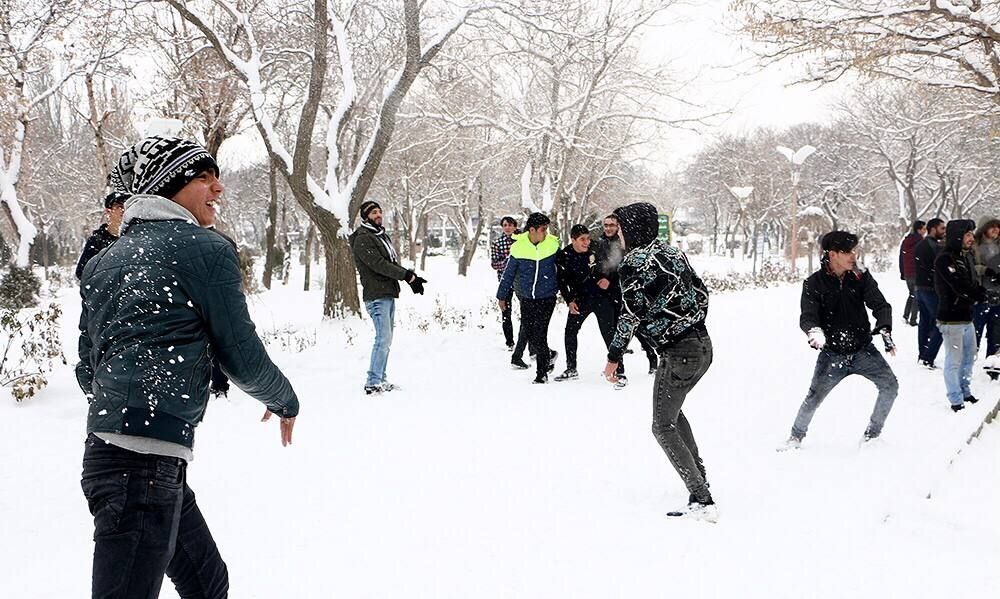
column 791, row 443
column 697, row 511
column 621, row 383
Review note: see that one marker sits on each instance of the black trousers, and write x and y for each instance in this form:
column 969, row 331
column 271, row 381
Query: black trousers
column 603, row 308
column 147, row 524
column 910, row 310
column 507, row 323
column 535, row 317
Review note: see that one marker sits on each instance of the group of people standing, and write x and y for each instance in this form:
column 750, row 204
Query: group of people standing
column 953, row 272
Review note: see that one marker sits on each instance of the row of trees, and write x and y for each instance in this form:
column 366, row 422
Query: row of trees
column 462, row 111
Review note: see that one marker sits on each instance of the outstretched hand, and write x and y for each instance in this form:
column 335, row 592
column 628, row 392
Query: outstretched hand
column 417, row 284
column 610, row 372
column 286, row 427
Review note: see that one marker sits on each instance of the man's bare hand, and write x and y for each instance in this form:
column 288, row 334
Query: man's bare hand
column 604, row 284
column 610, row 372
column 573, row 308
column 503, row 305
column 287, row 424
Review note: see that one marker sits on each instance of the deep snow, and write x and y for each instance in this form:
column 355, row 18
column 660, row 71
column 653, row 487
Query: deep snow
column 471, row 482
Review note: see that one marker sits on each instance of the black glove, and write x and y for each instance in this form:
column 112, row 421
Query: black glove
column 220, row 382
column 887, row 339
column 416, row 283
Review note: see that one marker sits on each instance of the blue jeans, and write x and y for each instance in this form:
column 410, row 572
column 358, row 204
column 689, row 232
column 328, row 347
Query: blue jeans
column 383, row 313
column 959, row 353
column 831, row 368
column 928, row 335
column 147, row 524
column 985, row 316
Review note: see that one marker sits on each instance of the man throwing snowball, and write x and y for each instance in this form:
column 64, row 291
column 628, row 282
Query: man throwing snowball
column 834, row 319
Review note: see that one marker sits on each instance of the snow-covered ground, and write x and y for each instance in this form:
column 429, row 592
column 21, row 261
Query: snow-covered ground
column 471, row 482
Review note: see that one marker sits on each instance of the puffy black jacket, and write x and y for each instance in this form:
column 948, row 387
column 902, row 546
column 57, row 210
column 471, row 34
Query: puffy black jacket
column 955, row 280
column 577, row 274
column 926, row 253
column 837, row 305
column 377, row 263
column 98, row 240
column 609, row 255
column 156, row 306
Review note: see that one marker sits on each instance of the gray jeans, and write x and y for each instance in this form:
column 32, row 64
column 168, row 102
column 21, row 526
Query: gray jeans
column 831, row 368
column 681, row 367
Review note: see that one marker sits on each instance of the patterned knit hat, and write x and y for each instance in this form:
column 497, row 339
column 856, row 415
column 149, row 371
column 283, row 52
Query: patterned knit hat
column 367, row 207
column 161, row 166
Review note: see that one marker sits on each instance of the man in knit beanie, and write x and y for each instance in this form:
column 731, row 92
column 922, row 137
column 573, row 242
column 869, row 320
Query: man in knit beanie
column 159, row 305
column 378, row 267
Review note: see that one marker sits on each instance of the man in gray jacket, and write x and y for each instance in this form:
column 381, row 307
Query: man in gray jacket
column 158, row 305
column 378, row 266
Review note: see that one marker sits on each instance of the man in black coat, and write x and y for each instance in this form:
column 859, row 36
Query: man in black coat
column 380, row 273
column 958, row 290
column 926, row 252
column 834, row 319
column 106, row 234
column 158, row 305
column 577, row 275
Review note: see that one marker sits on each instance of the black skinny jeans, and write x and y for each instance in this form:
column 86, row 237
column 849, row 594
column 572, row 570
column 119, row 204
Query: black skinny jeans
column 603, row 308
column 681, row 367
column 147, row 524
column 535, row 317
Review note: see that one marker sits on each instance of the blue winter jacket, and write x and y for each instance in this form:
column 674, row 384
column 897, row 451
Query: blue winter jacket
column 531, row 269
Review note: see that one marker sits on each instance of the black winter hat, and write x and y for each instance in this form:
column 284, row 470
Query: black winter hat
column 839, row 241
column 367, row 207
column 955, row 230
column 161, row 166
column 115, row 197
column 535, row 220
column 639, row 224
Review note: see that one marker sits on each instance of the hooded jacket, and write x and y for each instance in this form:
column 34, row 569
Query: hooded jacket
column 377, row 262
column 955, row 278
column 663, row 299
column 531, row 269
column 157, row 305
column 837, row 306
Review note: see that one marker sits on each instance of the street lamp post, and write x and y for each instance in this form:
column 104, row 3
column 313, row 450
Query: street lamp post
column 796, row 158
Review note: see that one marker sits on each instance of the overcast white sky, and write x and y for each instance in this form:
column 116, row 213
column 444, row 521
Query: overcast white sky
column 700, row 40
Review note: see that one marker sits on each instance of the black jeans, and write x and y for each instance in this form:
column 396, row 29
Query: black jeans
column 535, row 317
column 147, row 523
column 508, row 324
column 910, row 311
column 681, row 367
column 603, row 308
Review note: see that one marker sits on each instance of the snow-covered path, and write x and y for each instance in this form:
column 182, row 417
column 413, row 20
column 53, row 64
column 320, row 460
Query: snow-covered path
column 471, row 482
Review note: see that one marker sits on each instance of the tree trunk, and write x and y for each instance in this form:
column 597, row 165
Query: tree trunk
column 310, row 239
column 270, row 253
column 341, row 290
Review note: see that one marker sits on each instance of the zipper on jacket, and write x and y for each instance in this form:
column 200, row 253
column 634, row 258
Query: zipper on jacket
column 535, row 284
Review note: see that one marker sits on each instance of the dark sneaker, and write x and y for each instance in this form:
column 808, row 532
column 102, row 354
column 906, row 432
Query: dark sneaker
column 373, row 389
column 519, row 365
column 540, row 380
column 928, row 364
column 955, row 408
column 971, row 399
column 510, row 347
column 568, row 375
column 552, row 360
column 792, row 443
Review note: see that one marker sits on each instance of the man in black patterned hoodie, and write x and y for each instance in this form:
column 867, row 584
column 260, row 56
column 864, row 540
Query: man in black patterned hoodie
column 665, row 300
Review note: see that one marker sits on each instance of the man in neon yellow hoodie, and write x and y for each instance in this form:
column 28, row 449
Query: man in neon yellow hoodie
column 531, row 273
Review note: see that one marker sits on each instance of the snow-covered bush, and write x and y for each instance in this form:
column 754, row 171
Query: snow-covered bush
column 32, row 346
column 769, row 274
column 19, row 289
column 289, row 339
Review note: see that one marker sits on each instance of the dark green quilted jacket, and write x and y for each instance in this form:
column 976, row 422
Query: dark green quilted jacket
column 156, row 306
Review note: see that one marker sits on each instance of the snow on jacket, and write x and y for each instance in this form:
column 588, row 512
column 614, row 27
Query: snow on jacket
column 577, row 274
column 157, row 305
column 499, row 252
column 377, row 262
column 99, row 239
column 531, row 269
column 837, row 305
column 907, row 256
column 663, row 299
column 955, row 278
column 924, row 255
